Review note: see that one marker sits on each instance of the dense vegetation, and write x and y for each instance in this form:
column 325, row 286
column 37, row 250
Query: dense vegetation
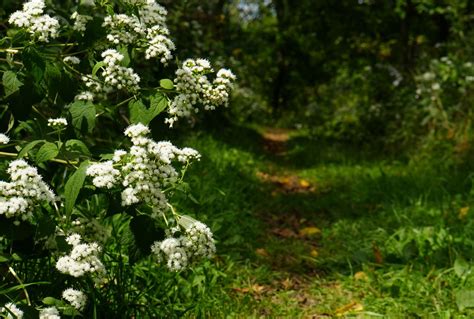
column 229, row 158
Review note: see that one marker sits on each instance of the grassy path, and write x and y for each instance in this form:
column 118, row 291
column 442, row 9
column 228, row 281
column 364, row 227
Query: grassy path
column 320, row 230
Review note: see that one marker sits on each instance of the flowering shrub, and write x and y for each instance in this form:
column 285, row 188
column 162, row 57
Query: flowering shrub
column 447, row 82
column 69, row 70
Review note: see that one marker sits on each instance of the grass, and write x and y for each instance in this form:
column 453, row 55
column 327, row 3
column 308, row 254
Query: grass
column 309, row 228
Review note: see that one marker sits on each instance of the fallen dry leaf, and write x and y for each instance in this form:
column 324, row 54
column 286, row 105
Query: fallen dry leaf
column 284, row 232
column 256, row 288
column 304, row 183
column 377, row 254
column 314, row 253
column 360, row 275
column 262, row 252
column 463, row 212
column 309, row 231
column 287, row 284
column 350, row 307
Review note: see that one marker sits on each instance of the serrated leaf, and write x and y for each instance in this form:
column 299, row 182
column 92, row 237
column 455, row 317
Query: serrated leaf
column 73, row 186
column 28, row 147
column 138, row 112
column 83, row 115
column 158, row 103
column 167, row 84
column 46, row 152
column 77, row 146
column 465, row 299
column 11, row 84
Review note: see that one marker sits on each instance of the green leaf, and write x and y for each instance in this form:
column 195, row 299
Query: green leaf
column 461, row 267
column 74, row 185
column 28, row 147
column 34, row 63
column 77, row 146
column 83, row 115
column 68, row 310
column 126, row 57
column 50, row 301
column 97, row 66
column 46, row 152
column 465, row 299
column 52, row 78
column 138, row 112
column 167, row 84
column 11, row 84
column 4, row 258
column 186, row 221
column 158, row 103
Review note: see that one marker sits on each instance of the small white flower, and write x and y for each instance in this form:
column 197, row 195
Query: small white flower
column 83, row 259
column 85, row 96
column 49, row 313
column 57, row 123
column 104, row 174
column 25, row 191
column 71, row 60
column 4, row 139
column 75, row 297
column 11, row 311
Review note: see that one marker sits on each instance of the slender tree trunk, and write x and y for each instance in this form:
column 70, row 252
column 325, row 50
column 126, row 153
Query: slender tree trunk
column 279, row 98
column 407, row 54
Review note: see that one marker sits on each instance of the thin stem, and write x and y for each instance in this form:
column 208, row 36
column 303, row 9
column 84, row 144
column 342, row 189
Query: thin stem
column 12, row 271
column 56, row 160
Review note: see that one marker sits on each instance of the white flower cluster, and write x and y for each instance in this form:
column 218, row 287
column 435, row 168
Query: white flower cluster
column 84, row 96
column 80, row 22
column 49, row 313
column 59, row 122
column 143, row 171
column 196, row 242
column 4, row 139
column 116, row 75
column 41, row 26
column 147, row 30
column 11, row 311
column 123, row 29
column 76, row 298
column 71, row 60
column 26, row 191
column 159, row 44
column 104, row 174
column 82, row 259
column 195, row 88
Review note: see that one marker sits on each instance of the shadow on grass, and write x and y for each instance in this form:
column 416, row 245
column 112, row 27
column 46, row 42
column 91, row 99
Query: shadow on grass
column 360, row 200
